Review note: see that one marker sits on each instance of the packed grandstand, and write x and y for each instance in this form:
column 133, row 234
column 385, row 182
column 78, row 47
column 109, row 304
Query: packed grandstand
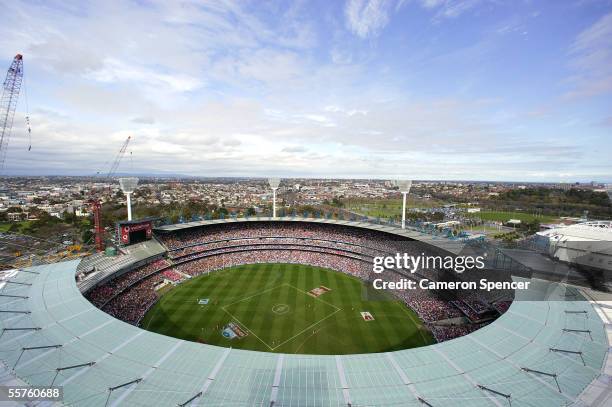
column 345, row 249
column 519, row 351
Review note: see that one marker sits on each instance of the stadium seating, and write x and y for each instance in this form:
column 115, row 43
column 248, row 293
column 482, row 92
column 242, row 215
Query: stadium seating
column 350, row 250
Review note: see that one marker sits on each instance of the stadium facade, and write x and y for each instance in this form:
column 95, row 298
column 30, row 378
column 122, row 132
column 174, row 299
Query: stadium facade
column 539, row 353
column 587, row 245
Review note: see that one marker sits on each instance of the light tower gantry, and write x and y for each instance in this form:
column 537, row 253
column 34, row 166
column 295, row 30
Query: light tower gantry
column 274, row 183
column 404, row 187
column 128, row 185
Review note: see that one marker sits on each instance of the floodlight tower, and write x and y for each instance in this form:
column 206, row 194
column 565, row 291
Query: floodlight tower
column 404, row 187
column 128, row 185
column 274, row 183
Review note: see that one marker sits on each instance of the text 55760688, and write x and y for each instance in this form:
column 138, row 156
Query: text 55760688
column 17, row 393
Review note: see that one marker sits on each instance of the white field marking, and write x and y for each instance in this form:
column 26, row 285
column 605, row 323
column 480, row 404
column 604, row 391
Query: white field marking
column 294, row 336
column 307, row 328
column 306, row 340
column 254, row 295
column 152, row 317
column 247, row 328
column 280, row 309
column 417, row 324
column 316, row 298
column 336, row 339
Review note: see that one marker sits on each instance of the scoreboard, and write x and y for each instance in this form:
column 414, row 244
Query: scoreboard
column 135, row 231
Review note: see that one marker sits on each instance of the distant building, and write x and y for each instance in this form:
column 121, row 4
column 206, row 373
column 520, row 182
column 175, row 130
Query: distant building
column 16, row 216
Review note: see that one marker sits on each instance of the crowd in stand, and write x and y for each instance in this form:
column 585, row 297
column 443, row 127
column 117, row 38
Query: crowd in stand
column 339, row 263
column 190, row 240
column 202, row 250
column 99, row 295
column 445, row 332
column 433, row 309
column 477, row 305
column 271, row 247
column 192, row 251
column 172, row 275
column 466, row 307
column 428, row 307
column 502, row 306
column 131, row 305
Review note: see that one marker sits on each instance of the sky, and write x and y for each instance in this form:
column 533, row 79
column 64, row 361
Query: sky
column 421, row 89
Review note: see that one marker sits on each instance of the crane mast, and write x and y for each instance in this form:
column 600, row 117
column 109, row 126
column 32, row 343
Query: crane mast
column 118, row 158
column 96, row 205
column 8, row 104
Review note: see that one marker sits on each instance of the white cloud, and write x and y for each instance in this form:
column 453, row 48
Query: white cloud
column 143, row 120
column 432, row 3
column 117, row 71
column 366, row 18
column 294, row 149
column 449, row 8
column 217, row 89
column 591, row 59
column 453, row 9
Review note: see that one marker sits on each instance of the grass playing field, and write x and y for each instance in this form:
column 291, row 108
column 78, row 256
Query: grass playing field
column 385, row 208
column 270, row 303
column 506, row 216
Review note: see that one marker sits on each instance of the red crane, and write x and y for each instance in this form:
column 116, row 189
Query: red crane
column 8, row 103
column 96, row 207
column 95, row 203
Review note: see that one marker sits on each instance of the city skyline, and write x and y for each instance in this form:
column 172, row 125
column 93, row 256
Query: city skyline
column 428, row 89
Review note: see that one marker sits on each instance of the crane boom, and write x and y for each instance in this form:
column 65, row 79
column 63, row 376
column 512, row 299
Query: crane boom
column 96, row 207
column 8, row 104
column 96, row 204
column 118, row 158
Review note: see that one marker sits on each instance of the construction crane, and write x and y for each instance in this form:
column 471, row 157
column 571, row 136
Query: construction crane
column 118, row 158
column 8, row 104
column 96, row 205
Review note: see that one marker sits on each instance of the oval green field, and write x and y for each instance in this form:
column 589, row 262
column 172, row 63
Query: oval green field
column 272, row 308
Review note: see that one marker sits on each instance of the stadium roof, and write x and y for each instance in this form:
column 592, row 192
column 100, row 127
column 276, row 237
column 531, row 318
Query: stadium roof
column 52, row 334
column 452, row 246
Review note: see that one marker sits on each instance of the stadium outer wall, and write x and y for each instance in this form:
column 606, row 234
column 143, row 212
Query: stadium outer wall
column 124, row 365
column 351, row 249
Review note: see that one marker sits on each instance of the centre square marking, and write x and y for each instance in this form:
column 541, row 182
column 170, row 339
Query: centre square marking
column 256, row 313
column 280, row 309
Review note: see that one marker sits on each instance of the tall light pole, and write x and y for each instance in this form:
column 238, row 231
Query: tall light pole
column 404, row 187
column 274, row 183
column 128, row 185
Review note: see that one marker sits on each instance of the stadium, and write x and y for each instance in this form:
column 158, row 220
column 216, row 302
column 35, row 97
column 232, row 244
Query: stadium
column 208, row 292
